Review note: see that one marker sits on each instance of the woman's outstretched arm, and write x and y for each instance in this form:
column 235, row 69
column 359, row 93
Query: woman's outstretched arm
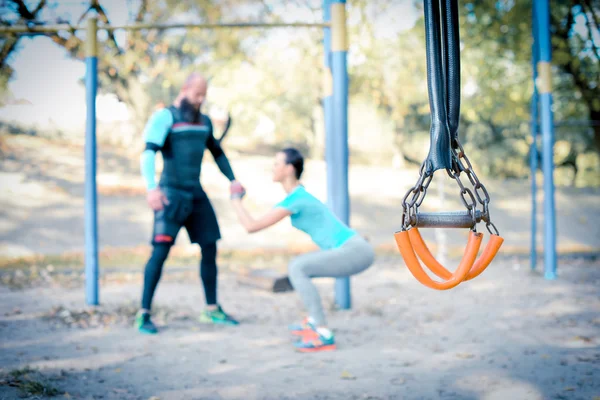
column 254, row 225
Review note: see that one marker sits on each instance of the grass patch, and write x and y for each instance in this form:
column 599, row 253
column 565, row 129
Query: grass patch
column 135, row 258
column 126, row 265
column 30, row 382
column 18, row 373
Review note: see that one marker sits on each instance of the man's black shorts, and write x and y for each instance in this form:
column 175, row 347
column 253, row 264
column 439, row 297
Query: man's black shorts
column 191, row 210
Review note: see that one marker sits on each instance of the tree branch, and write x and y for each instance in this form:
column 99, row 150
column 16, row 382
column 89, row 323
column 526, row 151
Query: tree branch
column 572, row 68
column 9, row 45
column 23, row 10
column 39, row 7
column 593, row 14
column 73, row 44
column 95, row 6
column 142, row 11
column 591, row 27
column 111, row 35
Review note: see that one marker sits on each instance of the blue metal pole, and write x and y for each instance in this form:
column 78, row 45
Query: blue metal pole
column 91, row 220
column 328, row 106
column 544, row 83
column 533, row 161
column 339, row 167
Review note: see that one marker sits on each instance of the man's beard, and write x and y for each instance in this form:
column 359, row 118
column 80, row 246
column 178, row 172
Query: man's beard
column 189, row 113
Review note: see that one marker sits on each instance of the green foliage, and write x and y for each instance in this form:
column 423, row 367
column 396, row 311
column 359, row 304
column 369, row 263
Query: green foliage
column 271, row 81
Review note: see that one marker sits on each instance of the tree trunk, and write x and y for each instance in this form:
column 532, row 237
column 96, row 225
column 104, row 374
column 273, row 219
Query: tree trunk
column 595, row 119
column 398, row 160
column 133, row 94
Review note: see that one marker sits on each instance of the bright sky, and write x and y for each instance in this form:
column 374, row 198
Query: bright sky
column 51, row 83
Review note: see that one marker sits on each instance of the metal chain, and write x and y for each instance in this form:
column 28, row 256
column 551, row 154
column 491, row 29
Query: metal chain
column 418, row 191
column 471, row 204
column 463, row 164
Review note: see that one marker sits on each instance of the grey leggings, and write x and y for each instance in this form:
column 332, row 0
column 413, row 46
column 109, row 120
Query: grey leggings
column 351, row 258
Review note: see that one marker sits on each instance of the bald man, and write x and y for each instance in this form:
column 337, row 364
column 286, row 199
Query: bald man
column 182, row 133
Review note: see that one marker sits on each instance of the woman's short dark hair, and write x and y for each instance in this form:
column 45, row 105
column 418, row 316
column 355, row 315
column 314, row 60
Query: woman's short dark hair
column 294, row 157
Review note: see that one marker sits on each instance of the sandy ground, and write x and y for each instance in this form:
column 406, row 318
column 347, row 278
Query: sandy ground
column 509, row 334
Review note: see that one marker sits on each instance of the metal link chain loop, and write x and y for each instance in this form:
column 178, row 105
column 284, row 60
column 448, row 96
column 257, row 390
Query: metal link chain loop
column 418, row 191
column 472, row 205
column 463, row 164
column 470, row 198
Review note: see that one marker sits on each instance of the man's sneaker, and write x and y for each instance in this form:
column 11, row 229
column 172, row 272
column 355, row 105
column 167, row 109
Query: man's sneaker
column 314, row 343
column 144, row 324
column 217, row 316
column 304, row 328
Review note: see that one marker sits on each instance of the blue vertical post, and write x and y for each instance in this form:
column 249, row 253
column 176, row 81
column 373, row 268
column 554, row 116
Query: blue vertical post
column 533, row 160
column 91, row 218
column 339, row 142
column 328, row 105
column 332, row 140
column 544, row 86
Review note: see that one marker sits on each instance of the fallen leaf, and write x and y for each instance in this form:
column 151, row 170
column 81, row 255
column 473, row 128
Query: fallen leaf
column 465, row 355
column 154, row 398
column 117, row 369
column 583, row 339
column 347, row 375
column 569, row 389
column 67, row 395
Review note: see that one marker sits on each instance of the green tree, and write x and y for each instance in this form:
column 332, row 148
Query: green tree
column 575, row 36
column 148, row 62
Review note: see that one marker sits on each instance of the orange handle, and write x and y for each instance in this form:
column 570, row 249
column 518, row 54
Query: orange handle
column 406, row 249
column 423, row 252
column 490, row 251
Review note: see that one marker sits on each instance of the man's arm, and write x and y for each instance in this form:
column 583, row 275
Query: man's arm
column 217, row 152
column 155, row 133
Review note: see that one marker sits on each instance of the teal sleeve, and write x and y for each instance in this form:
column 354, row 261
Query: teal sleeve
column 155, row 133
column 290, row 203
column 148, row 168
column 158, row 127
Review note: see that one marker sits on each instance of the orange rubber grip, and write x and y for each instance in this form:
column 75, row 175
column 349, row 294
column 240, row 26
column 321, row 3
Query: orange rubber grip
column 405, row 247
column 490, row 251
column 423, row 252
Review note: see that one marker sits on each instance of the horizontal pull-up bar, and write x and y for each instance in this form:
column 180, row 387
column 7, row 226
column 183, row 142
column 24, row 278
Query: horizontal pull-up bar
column 447, row 219
column 137, row 27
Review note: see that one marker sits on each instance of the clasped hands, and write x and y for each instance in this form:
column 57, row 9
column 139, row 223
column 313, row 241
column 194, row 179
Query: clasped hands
column 236, row 190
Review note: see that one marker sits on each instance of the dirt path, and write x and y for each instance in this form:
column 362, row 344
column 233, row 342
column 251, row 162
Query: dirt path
column 509, row 334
